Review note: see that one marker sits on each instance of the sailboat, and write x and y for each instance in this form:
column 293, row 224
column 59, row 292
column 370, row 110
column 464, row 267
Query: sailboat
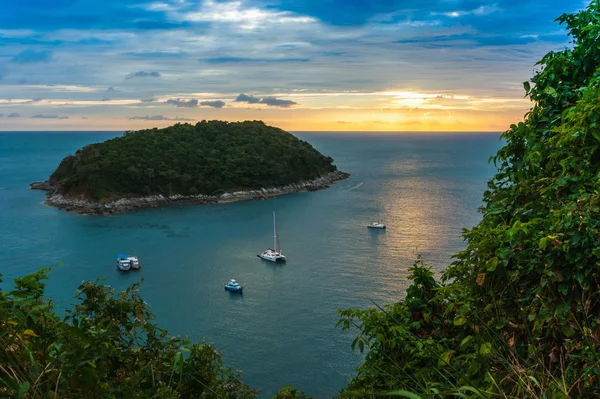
column 273, row 254
column 377, row 224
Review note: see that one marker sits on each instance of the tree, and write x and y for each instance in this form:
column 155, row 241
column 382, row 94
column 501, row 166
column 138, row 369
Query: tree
column 518, row 313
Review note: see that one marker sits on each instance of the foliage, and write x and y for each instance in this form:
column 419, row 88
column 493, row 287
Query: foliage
column 289, row 392
column 207, row 158
column 517, row 313
column 106, row 346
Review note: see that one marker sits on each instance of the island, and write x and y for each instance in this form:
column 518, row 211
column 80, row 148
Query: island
column 209, row 162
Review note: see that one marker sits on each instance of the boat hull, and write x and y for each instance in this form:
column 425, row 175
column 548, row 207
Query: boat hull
column 238, row 290
column 272, row 258
column 381, row 227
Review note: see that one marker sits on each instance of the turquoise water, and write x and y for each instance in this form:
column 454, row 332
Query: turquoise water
column 282, row 330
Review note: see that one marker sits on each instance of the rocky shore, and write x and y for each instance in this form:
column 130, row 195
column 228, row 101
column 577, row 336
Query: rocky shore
column 127, row 204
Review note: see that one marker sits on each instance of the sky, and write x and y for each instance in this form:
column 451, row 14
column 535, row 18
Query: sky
column 302, row 65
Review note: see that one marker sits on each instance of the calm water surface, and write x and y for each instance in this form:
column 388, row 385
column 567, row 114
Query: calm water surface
column 282, row 331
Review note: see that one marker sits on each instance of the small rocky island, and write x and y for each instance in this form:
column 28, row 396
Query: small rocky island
column 209, row 162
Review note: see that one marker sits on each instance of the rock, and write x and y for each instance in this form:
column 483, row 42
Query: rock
column 42, row 185
column 151, row 201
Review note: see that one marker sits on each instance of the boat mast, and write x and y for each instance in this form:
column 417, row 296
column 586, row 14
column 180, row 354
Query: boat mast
column 274, row 233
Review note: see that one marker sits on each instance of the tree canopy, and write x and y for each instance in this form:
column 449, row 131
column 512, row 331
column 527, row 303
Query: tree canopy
column 207, row 158
column 518, row 312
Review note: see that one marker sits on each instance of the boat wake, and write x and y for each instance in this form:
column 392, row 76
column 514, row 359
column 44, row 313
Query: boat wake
column 359, row 185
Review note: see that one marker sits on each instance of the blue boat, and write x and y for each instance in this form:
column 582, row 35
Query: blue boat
column 233, row 286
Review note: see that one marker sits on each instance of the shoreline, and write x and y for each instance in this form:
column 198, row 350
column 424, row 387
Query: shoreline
column 153, row 201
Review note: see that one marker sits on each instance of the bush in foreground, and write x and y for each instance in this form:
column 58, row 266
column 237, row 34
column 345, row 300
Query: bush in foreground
column 518, row 313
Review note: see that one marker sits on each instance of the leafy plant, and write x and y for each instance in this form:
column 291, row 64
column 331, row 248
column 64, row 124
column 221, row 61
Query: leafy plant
column 107, row 346
column 517, row 314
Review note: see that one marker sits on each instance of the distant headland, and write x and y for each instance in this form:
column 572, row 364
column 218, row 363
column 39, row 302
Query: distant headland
column 209, row 162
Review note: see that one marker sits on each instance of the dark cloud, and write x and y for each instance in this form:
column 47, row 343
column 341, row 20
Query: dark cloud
column 143, row 74
column 147, row 100
column 245, row 98
column 14, row 115
column 158, row 118
column 41, row 116
column 110, row 89
column 1, row 115
column 214, row 104
column 270, row 101
column 183, row 103
column 31, row 56
column 277, row 102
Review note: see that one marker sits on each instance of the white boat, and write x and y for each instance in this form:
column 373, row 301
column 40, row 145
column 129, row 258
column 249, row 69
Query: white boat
column 273, row 255
column 377, row 224
column 134, row 262
column 123, row 262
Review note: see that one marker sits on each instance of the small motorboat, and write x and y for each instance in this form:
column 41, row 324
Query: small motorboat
column 376, row 225
column 123, row 262
column 233, row 286
column 134, row 262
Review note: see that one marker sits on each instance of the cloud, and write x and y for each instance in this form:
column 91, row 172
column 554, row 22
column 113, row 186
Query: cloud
column 270, row 101
column 158, row 54
column 227, row 60
column 158, row 118
column 143, row 74
column 245, row 98
column 214, row 104
column 41, row 116
column 110, row 89
column 277, row 102
column 14, row 115
column 183, row 103
column 31, row 56
column 1, row 115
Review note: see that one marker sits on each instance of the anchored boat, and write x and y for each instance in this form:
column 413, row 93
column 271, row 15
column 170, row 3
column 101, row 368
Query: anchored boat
column 273, row 255
column 233, row 286
column 378, row 224
column 135, row 262
column 123, row 262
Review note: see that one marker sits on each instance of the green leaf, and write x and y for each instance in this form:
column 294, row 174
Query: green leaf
column 543, row 243
column 460, row 321
column 551, row 91
column 405, row 394
column 466, row 341
column 485, row 348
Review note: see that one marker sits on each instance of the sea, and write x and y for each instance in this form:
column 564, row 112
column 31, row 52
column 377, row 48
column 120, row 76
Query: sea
column 426, row 186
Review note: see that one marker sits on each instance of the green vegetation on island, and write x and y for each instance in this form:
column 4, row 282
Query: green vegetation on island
column 206, row 158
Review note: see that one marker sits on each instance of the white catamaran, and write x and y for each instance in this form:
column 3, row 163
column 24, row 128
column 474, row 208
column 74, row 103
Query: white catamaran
column 273, row 255
column 379, row 224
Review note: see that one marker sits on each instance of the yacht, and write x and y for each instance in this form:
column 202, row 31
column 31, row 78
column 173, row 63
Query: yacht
column 135, row 262
column 273, row 255
column 377, row 224
column 123, row 262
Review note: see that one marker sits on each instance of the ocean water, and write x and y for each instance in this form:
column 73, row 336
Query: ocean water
column 427, row 187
